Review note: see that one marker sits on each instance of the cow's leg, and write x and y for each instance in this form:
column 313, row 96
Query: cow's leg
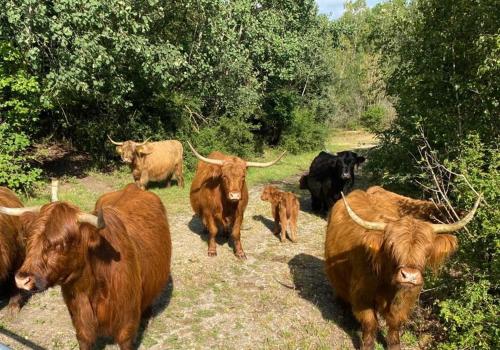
column 143, row 182
column 136, row 174
column 125, row 338
column 393, row 337
column 394, row 318
column 16, row 301
column 84, row 321
column 126, row 345
column 293, row 225
column 284, row 223
column 82, row 316
column 236, row 235
column 369, row 326
column 315, row 203
column 276, row 216
column 212, row 233
column 178, row 175
column 329, row 202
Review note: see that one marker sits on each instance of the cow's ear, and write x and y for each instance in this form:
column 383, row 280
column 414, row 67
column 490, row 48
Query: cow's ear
column 444, row 245
column 360, row 159
column 94, row 239
column 144, row 150
column 373, row 241
column 119, row 149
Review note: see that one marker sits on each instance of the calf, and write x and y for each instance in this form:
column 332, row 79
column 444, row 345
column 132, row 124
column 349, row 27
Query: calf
column 377, row 247
column 219, row 195
column 330, row 174
column 110, row 267
column 285, row 209
column 152, row 161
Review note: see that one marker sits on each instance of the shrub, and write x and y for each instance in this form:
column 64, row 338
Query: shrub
column 304, row 132
column 15, row 170
column 228, row 135
column 471, row 317
column 373, row 117
column 470, row 310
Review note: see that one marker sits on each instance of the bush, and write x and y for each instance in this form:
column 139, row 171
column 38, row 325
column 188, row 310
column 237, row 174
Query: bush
column 471, row 317
column 304, row 132
column 228, row 135
column 15, row 170
column 470, row 310
column 373, row 117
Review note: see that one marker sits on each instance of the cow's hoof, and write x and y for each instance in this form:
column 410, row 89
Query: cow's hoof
column 241, row 255
column 212, row 253
column 294, row 241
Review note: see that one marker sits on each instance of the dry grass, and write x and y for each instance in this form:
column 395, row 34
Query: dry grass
column 278, row 299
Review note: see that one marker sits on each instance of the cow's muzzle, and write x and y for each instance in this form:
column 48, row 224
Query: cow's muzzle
column 234, row 196
column 409, row 277
column 345, row 176
column 30, row 282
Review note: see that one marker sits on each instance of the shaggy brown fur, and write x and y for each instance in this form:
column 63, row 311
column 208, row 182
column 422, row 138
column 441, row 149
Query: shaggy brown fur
column 210, row 198
column 154, row 161
column 11, row 248
column 108, row 276
column 367, row 268
column 285, row 209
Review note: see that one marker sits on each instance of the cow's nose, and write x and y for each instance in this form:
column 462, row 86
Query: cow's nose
column 410, row 276
column 346, row 176
column 235, row 196
column 24, row 281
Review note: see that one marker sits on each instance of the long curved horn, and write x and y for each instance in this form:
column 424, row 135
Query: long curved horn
column 265, row 165
column 19, row 211
column 142, row 143
column 114, row 142
column 443, row 228
column 206, row 160
column 54, row 187
column 370, row 225
column 96, row 221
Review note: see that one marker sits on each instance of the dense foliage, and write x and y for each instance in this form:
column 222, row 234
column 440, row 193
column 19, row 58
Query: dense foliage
column 235, row 76
column 442, row 67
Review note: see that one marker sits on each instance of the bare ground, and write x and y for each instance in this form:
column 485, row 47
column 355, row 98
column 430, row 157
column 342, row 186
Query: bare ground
column 278, row 299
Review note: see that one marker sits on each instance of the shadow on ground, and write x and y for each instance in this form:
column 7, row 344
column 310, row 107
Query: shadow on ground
column 310, row 280
column 27, row 344
column 311, row 283
column 196, row 226
column 268, row 223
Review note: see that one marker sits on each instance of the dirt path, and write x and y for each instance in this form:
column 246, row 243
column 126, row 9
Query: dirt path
column 278, row 299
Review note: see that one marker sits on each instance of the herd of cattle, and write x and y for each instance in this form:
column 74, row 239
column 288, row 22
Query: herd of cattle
column 112, row 263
